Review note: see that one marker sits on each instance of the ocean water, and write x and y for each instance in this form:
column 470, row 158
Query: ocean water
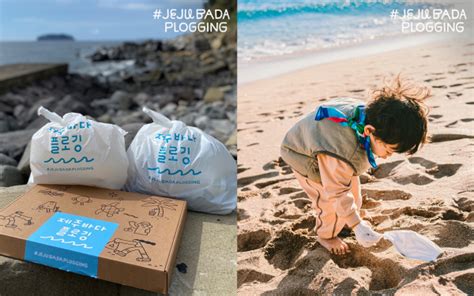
column 72, row 52
column 272, row 28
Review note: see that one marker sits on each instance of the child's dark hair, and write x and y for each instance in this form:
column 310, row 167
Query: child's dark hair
column 399, row 115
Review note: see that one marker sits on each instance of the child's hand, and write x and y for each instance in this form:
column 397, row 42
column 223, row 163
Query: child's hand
column 365, row 235
column 365, row 215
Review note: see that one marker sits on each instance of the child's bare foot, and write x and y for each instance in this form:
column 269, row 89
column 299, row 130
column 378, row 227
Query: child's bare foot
column 334, row 245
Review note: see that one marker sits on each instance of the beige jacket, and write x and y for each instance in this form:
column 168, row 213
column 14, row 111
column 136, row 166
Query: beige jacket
column 308, row 138
column 328, row 156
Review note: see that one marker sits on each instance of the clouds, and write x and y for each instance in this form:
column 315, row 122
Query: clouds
column 126, row 5
column 148, row 4
column 86, row 19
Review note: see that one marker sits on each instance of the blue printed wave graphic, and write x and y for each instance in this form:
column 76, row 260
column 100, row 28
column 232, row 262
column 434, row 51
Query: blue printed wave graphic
column 66, row 242
column 252, row 9
column 72, row 159
column 160, row 172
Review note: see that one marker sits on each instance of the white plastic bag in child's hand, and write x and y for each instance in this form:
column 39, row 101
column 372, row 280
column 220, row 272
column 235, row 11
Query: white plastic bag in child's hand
column 365, row 235
column 413, row 245
column 169, row 158
column 74, row 150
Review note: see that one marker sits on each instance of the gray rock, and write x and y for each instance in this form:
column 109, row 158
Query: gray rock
column 207, row 60
column 183, row 103
column 231, row 98
column 182, row 110
column 232, row 116
column 226, row 88
column 13, row 143
column 217, row 110
column 201, row 122
column 216, row 43
column 9, row 101
column 163, row 99
column 233, row 151
column 202, row 44
column 141, row 99
column 184, row 93
column 232, row 140
column 122, row 99
column 4, row 126
column 105, row 103
column 12, row 99
column 214, row 68
column 220, row 129
column 199, row 105
column 37, row 123
column 32, row 114
column 169, row 109
column 222, row 126
column 216, row 113
column 213, row 94
column 198, row 93
column 6, row 108
column 175, row 44
column 10, row 176
column 24, row 164
column 189, row 118
column 19, row 111
column 132, row 130
column 134, row 117
column 6, row 160
column 70, row 104
column 106, row 118
column 99, row 56
column 213, row 111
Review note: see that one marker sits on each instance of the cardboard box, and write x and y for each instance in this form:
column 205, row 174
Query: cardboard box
column 122, row 237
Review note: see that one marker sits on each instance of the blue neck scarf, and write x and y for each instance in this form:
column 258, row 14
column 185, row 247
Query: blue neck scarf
column 357, row 123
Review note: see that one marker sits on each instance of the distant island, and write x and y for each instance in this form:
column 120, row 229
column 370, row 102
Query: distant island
column 55, row 37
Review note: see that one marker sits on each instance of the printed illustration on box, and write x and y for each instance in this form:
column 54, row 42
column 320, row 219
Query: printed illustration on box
column 48, row 207
column 51, row 193
column 109, row 209
column 158, row 206
column 81, row 200
column 12, row 219
column 123, row 247
column 141, row 228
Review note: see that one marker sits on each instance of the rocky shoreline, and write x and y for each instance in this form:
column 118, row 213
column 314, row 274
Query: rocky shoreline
column 191, row 78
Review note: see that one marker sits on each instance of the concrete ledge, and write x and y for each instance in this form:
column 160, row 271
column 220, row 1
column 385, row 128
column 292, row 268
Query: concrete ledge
column 21, row 74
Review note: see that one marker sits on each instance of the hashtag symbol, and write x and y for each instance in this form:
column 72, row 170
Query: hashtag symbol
column 394, row 14
column 157, row 14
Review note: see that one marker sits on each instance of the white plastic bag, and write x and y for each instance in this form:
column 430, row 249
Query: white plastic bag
column 413, row 245
column 77, row 151
column 169, row 158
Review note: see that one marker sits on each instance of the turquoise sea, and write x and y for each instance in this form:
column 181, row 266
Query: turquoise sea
column 275, row 28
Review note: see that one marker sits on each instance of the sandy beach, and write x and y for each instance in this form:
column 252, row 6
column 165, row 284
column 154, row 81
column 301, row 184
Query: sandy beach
column 430, row 193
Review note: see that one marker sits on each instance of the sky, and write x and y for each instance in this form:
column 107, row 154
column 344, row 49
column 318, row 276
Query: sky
column 86, row 20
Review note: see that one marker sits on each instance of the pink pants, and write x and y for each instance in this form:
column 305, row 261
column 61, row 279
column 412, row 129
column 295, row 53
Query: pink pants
column 328, row 224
